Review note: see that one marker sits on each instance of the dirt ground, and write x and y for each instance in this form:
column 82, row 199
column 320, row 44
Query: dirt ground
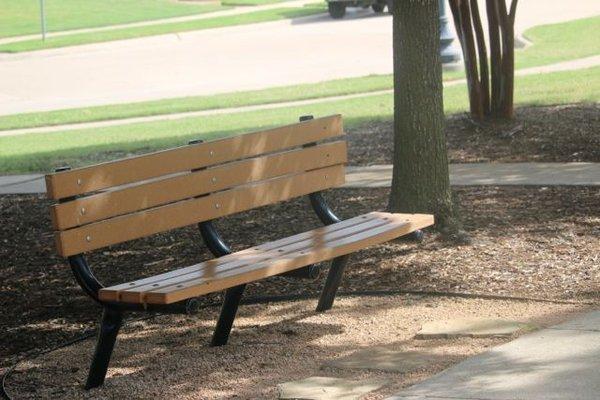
column 168, row 357
column 564, row 133
column 534, row 242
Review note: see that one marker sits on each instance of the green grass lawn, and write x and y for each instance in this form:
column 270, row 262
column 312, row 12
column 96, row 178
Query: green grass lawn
column 553, row 43
column 198, row 103
column 151, row 30
column 249, row 2
column 22, row 17
column 43, row 152
column 560, row 42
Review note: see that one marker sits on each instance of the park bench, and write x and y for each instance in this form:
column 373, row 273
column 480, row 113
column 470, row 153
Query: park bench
column 118, row 201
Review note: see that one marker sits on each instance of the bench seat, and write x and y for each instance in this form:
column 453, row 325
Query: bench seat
column 272, row 258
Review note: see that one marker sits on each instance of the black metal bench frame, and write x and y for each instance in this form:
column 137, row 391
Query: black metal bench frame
column 112, row 315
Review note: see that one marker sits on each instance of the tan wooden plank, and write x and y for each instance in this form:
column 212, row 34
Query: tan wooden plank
column 154, row 193
column 112, row 293
column 211, row 269
column 187, row 212
column 400, row 224
column 93, row 178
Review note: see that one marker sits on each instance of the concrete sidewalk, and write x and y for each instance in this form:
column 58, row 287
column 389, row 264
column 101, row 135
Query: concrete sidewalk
column 495, row 174
column 534, row 174
column 558, row 363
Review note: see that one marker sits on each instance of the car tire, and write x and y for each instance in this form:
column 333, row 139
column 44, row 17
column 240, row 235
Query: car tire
column 378, row 7
column 336, row 9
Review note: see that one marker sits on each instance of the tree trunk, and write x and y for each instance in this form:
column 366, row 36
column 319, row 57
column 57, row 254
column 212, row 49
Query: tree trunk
column 484, row 74
column 420, row 180
column 461, row 13
column 487, row 98
column 495, row 54
column 507, row 28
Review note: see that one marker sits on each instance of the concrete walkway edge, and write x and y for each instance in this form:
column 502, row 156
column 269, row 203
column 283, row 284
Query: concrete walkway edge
column 500, row 174
column 558, row 363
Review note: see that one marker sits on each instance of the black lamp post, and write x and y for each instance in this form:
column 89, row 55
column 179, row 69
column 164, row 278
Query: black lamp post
column 449, row 52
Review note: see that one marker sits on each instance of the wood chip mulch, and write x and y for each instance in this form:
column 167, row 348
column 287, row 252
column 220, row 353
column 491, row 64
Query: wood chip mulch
column 563, row 133
column 537, row 242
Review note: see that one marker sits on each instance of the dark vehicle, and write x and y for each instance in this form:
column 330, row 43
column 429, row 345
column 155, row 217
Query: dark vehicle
column 337, row 8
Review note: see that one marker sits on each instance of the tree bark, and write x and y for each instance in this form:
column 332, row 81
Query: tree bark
column 488, row 95
column 495, row 54
column 507, row 28
column 484, row 74
column 420, row 180
column 462, row 16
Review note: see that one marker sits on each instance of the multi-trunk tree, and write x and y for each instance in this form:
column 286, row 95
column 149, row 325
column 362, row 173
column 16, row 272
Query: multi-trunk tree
column 490, row 78
column 420, row 180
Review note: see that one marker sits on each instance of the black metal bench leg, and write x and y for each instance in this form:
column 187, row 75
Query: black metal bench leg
column 233, row 296
column 334, row 278
column 109, row 328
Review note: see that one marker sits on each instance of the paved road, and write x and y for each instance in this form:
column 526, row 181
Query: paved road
column 221, row 60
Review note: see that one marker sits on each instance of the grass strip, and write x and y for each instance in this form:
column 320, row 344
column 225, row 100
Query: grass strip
column 22, row 17
column 151, row 30
column 43, row 152
column 560, row 42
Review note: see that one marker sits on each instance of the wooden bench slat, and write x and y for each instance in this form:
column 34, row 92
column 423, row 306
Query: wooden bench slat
column 210, row 269
column 154, row 193
column 187, row 212
column 222, row 278
column 115, row 173
column 111, row 294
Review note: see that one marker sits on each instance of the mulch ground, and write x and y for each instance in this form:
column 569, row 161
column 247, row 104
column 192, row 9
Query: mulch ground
column 564, row 133
column 535, row 242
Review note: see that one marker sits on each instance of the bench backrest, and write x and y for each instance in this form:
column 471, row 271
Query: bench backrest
column 126, row 199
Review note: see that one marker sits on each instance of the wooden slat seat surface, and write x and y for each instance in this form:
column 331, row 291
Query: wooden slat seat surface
column 269, row 259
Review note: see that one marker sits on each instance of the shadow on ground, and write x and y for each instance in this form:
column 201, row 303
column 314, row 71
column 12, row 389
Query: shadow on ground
column 169, row 357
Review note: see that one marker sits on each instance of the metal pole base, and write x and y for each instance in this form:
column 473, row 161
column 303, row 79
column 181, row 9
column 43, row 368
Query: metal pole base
column 334, row 278
column 109, row 329
column 228, row 311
